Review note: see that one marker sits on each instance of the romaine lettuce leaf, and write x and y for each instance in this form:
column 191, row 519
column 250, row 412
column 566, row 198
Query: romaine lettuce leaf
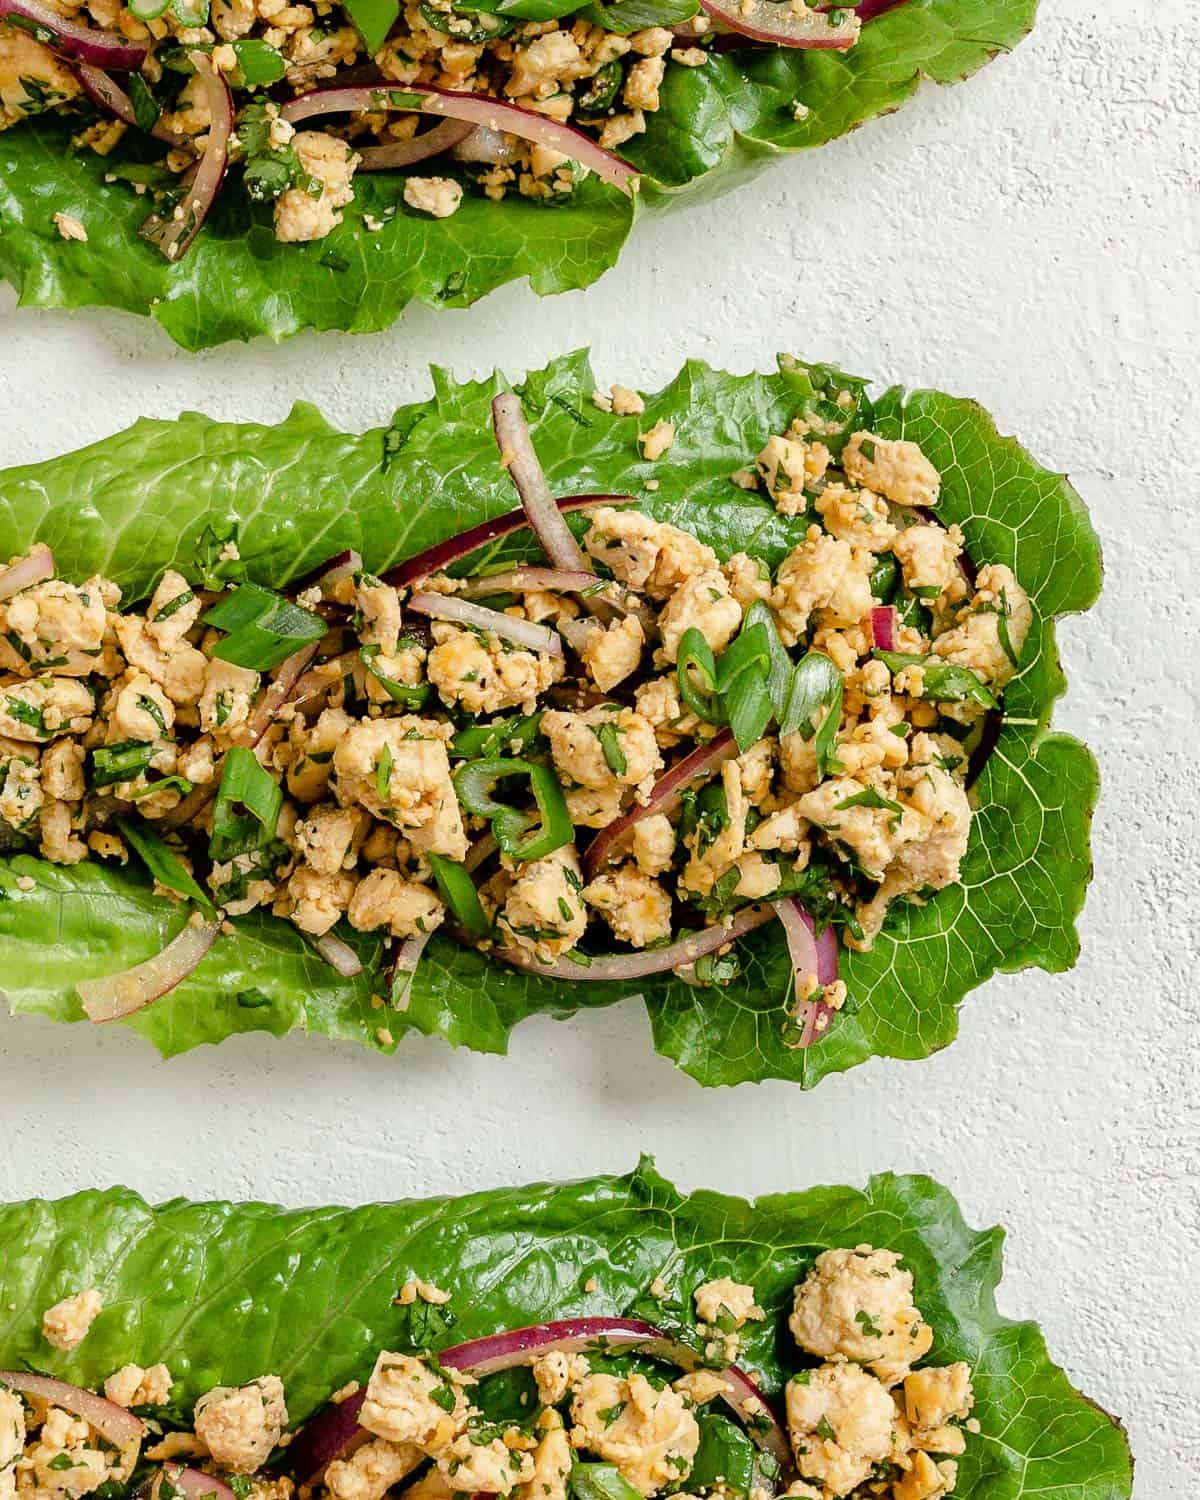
column 717, row 125
column 301, row 491
column 223, row 1292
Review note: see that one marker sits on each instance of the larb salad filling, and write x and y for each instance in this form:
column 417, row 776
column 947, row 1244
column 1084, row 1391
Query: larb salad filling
column 488, row 96
column 607, row 763
column 581, row 1409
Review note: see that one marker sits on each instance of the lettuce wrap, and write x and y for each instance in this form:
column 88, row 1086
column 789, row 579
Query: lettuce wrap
column 177, row 493
column 70, row 217
column 225, row 1293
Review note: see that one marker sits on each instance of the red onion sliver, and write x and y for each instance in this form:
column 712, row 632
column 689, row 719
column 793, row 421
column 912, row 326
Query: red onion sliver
column 443, row 137
column 475, row 109
column 779, row 24
column 106, row 92
column 869, row 10
column 563, row 581
column 442, row 555
column 37, row 567
column 482, row 849
column 174, row 233
column 525, row 633
column 808, row 957
column 522, row 580
column 491, row 147
column 883, row 627
column 118, row 995
column 827, row 953
column 702, row 761
column 640, row 965
column 196, row 1484
column 278, row 693
column 338, row 955
column 404, row 967
column 105, row 49
column 519, row 457
column 341, row 565
column 333, row 1433
column 325, row 675
column 120, row 1427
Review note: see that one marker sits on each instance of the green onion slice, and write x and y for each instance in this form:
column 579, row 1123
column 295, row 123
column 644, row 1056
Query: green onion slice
column 695, row 656
column 474, row 782
column 942, row 682
column 399, row 692
column 743, row 680
column 162, row 861
column 459, row 893
column 816, row 683
column 512, row 735
column 123, row 762
column 244, row 785
column 263, row 627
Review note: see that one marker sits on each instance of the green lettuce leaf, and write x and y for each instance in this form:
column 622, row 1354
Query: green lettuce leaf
column 223, row 1292
column 717, row 125
column 299, row 492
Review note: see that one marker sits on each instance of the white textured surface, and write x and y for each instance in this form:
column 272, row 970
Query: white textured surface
column 1031, row 239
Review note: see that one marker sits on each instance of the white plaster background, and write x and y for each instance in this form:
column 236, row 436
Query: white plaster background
column 1031, row 239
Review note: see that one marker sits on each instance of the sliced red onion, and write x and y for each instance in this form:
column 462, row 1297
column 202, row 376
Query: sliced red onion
column 700, row 762
column 281, row 689
column 105, row 49
column 325, row 675
column 404, row 967
column 37, row 567
column 883, row 627
column 487, row 147
column 341, row 565
column 519, row 457
column 576, row 633
column 118, row 995
column 475, row 109
column 442, row 555
column 421, row 147
column 868, row 10
column 333, row 1433
column 338, row 955
column 524, row 580
column 119, row 1426
column 525, row 633
column 779, row 24
column 482, row 849
column 627, row 966
column 810, row 955
column 174, row 233
column 196, row 1484
column 104, row 91
column 561, row 581
column 520, row 1346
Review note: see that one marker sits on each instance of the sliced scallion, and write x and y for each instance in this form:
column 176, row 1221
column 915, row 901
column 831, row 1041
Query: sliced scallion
column 123, row 762
column 459, row 893
column 694, row 660
column 263, row 628
column 247, row 806
column 162, row 861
